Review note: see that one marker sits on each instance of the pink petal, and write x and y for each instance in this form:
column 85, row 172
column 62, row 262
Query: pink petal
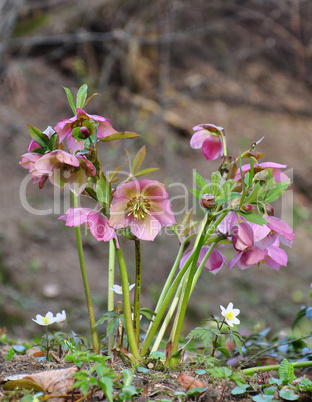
column 146, row 229
column 99, row 227
column 47, row 163
column 68, row 159
column 228, row 222
column 198, row 139
column 212, row 148
column 284, row 231
column 162, row 211
column 76, row 216
column 242, row 236
column 252, row 257
column 73, row 144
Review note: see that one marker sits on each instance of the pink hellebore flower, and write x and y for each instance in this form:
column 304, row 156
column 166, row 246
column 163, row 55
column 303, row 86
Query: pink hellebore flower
column 28, row 162
column 214, row 262
column 97, row 223
column 278, row 175
column 208, row 137
column 64, row 168
column 144, row 206
column 283, row 231
column 65, row 127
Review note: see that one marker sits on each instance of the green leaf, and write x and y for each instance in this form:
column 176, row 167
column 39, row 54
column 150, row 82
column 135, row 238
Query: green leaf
column 263, row 398
column 127, row 377
column 107, row 386
column 200, row 371
column 90, row 97
column 81, row 96
column 254, row 195
column 103, row 190
column 277, row 191
column 158, row 355
column 38, row 136
column 240, row 390
column 52, row 142
column 238, row 343
column 119, row 136
column 224, row 351
column 269, row 390
column 10, row 354
column 145, row 171
column 201, row 182
column 253, row 217
column 300, row 315
column 288, row 394
column 196, row 391
column 143, row 370
column 128, row 392
column 197, row 193
column 286, row 372
column 70, row 100
column 215, row 183
column 139, row 159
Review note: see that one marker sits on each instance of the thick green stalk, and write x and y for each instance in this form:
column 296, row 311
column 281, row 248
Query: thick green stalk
column 95, row 340
column 111, row 281
column 253, row 370
column 204, row 232
column 168, row 282
column 126, row 303
column 137, row 294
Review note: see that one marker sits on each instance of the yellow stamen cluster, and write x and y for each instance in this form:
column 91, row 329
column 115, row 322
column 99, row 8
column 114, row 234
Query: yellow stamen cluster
column 46, row 320
column 138, row 207
column 230, row 315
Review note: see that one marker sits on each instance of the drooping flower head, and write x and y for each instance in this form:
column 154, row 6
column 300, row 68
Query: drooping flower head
column 208, row 138
column 230, row 314
column 66, row 169
column 97, row 222
column 48, row 319
column 82, row 120
column 213, row 264
column 144, row 206
column 28, row 162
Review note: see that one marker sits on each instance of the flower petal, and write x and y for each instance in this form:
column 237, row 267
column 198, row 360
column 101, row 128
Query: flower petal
column 212, row 148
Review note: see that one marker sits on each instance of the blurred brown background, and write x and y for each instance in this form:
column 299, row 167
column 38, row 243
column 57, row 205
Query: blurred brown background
column 161, row 68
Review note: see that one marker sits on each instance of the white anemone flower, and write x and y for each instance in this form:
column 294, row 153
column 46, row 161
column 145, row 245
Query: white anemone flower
column 48, row 319
column 61, row 317
column 118, row 289
column 230, row 314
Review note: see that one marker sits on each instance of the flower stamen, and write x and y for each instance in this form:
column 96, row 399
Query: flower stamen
column 139, row 207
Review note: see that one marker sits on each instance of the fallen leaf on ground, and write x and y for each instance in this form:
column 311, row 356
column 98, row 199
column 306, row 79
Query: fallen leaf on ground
column 189, row 382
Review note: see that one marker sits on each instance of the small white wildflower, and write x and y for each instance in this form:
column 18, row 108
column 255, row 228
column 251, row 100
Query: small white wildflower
column 61, row 317
column 48, row 319
column 118, row 289
column 230, row 314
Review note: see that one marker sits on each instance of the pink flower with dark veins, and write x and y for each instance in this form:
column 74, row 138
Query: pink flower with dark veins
column 144, row 206
column 213, row 264
column 96, row 222
column 208, row 138
column 65, row 127
column 66, row 169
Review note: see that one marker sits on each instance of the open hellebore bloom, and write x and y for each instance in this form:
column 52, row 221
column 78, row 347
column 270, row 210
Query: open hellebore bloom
column 97, row 223
column 230, row 314
column 48, row 319
column 64, row 168
column 214, row 262
column 275, row 168
column 208, row 138
column 283, row 231
column 65, row 128
column 144, row 206
column 118, row 289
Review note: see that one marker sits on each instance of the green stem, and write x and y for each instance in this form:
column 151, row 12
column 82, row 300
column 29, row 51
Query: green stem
column 111, row 280
column 168, row 283
column 223, row 143
column 253, row 370
column 137, row 295
column 126, row 303
column 204, row 232
column 95, row 340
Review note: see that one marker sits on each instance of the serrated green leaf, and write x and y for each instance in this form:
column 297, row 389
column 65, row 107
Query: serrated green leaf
column 138, row 159
column 253, row 217
column 81, row 96
column 70, row 99
column 145, row 171
column 38, row 136
column 10, row 354
column 197, row 193
column 201, row 182
column 215, row 183
column 119, row 136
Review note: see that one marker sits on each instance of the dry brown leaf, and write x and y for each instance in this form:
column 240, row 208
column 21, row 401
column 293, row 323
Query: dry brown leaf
column 189, row 382
column 55, row 382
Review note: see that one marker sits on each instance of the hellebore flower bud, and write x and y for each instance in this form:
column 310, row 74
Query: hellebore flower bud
column 84, row 132
column 248, row 208
column 207, row 201
column 269, row 209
